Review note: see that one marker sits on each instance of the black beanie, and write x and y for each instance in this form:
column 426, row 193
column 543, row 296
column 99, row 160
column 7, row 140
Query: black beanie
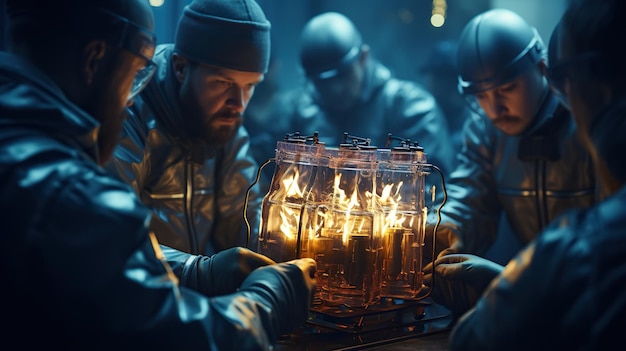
column 233, row 34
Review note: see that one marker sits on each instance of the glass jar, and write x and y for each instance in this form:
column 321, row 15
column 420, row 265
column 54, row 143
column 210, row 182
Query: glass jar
column 400, row 192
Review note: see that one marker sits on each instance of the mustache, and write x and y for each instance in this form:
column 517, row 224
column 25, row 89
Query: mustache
column 506, row 118
column 229, row 114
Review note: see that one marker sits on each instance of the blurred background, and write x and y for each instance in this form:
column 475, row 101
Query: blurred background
column 401, row 33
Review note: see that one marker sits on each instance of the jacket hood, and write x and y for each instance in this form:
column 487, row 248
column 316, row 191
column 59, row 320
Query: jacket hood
column 162, row 93
column 29, row 99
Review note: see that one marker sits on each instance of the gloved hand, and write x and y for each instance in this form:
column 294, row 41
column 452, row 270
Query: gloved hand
column 459, row 280
column 446, row 242
column 219, row 274
column 285, row 290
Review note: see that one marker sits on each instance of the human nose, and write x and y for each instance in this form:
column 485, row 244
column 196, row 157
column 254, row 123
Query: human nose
column 237, row 98
column 493, row 104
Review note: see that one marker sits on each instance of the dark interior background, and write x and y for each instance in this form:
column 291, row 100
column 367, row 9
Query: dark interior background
column 398, row 31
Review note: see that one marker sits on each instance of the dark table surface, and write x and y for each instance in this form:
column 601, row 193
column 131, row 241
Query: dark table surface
column 390, row 325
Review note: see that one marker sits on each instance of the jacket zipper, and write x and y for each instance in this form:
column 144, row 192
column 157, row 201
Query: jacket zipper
column 193, row 243
column 540, row 180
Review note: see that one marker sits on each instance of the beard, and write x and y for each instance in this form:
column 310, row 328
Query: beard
column 214, row 129
column 220, row 134
column 110, row 113
column 109, row 135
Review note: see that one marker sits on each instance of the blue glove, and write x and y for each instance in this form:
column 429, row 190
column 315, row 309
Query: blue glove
column 459, row 280
column 219, row 274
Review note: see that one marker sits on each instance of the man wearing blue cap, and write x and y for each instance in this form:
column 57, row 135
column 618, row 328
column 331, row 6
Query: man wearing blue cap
column 522, row 159
column 184, row 149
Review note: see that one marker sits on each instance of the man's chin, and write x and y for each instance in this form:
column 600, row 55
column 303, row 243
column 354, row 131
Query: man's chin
column 220, row 136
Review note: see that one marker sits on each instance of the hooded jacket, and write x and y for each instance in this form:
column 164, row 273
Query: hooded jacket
column 386, row 105
column 531, row 178
column 197, row 192
column 79, row 268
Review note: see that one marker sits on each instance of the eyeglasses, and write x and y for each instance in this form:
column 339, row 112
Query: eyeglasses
column 559, row 72
column 136, row 40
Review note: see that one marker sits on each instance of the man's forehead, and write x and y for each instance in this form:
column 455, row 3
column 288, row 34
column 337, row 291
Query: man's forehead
column 231, row 74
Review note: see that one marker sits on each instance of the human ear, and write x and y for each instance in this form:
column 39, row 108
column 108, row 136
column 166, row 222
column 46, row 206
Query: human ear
column 92, row 54
column 180, row 65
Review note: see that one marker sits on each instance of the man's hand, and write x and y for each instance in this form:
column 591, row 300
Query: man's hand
column 286, row 290
column 229, row 268
column 214, row 275
column 459, row 280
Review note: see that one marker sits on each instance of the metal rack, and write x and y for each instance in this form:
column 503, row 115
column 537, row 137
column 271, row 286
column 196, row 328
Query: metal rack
column 343, row 328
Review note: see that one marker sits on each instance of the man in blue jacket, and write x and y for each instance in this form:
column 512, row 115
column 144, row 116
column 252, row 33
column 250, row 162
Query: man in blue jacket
column 80, row 268
column 522, row 159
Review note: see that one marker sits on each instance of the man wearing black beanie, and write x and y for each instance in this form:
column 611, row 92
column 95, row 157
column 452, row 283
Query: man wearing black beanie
column 184, row 149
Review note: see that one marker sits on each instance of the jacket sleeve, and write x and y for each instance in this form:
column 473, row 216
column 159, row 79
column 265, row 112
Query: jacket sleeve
column 498, row 321
column 536, row 301
column 236, row 172
column 120, row 285
column 472, row 211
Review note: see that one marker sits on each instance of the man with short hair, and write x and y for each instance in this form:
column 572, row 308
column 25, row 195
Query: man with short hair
column 80, row 268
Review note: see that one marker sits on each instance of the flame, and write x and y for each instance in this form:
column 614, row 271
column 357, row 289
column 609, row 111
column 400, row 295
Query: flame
column 289, row 217
column 390, row 204
column 291, row 185
column 348, row 204
column 287, row 225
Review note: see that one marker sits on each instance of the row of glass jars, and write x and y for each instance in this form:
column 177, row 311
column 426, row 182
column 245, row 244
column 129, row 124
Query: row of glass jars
column 357, row 210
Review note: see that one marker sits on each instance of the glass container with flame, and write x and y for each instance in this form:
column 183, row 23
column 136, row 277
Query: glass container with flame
column 357, row 210
column 344, row 228
column 296, row 165
column 400, row 186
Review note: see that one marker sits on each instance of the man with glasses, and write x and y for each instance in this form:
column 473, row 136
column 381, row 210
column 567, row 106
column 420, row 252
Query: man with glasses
column 565, row 290
column 522, row 160
column 348, row 90
column 80, row 268
column 184, row 149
